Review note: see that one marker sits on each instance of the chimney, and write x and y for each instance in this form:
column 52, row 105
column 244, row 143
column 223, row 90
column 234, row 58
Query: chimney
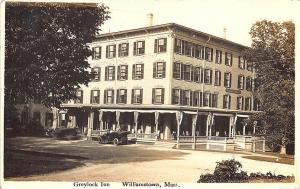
column 149, row 19
column 224, row 33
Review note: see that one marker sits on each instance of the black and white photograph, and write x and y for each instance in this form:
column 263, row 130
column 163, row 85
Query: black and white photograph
column 148, row 93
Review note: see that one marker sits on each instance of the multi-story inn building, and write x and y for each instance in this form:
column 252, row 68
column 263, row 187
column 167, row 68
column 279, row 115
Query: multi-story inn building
column 167, row 82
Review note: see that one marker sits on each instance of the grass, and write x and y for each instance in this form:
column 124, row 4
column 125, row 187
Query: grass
column 35, row 156
column 284, row 160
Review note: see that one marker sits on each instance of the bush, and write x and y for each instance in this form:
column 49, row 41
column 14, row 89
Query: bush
column 228, row 171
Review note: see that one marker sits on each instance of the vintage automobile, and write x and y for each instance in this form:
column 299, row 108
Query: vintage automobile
column 114, row 137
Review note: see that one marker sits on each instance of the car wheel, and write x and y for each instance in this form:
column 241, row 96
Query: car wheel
column 116, row 141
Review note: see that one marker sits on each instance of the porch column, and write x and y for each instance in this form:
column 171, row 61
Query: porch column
column 254, row 127
column 100, row 119
column 156, row 115
column 194, row 122
column 211, row 124
column 135, row 118
column 179, row 116
column 234, row 126
column 55, row 118
column 90, row 124
column 118, row 119
column 244, row 129
column 208, row 123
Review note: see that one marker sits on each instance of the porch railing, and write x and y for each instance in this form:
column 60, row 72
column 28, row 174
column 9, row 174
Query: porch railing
column 143, row 135
column 188, row 139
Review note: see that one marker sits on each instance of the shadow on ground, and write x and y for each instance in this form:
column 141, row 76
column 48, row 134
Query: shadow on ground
column 25, row 156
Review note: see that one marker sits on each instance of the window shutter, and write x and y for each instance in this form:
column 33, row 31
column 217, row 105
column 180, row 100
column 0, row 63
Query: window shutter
column 132, row 96
column 182, row 69
column 230, row 80
column 94, row 52
column 144, row 47
column 106, row 73
column 126, row 72
column 181, row 96
column 162, row 96
column 224, row 99
column 107, row 51
column 200, row 99
column 134, row 48
column 165, row 44
column 91, row 101
column 211, row 76
column 105, row 96
column 118, row 72
column 153, row 95
column 141, row 96
column 115, row 49
column 230, row 59
column 125, row 93
column 191, row 98
column 133, row 71
column 154, row 68
column 155, row 45
column 210, row 100
column 118, row 96
column 164, row 70
column 142, row 68
column 175, row 45
column 113, row 74
column 119, row 50
column 229, row 102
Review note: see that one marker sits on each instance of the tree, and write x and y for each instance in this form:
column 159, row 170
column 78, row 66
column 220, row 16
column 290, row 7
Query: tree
column 46, row 50
column 272, row 52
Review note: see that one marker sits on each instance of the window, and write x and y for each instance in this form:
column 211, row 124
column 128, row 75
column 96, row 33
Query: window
column 227, row 80
column 241, row 80
column 79, row 95
column 226, row 101
column 239, row 103
column 121, row 96
column 137, row 96
column 218, row 56
column 95, row 97
column 122, row 72
column 186, row 97
column 158, row 95
column 228, row 59
column 208, row 76
column 196, row 98
column 49, row 120
column 199, row 51
column 248, row 103
column 249, row 83
column 217, row 78
column 208, row 54
column 206, row 99
column 198, row 75
column 96, row 71
column 109, row 73
column 123, row 49
column 250, row 66
column 139, row 48
column 160, row 45
column 138, row 71
column 187, row 72
column 37, row 117
column 179, row 46
column 214, row 100
column 110, row 51
column 188, row 49
column 177, row 70
column 175, row 96
column 159, row 70
column 109, row 96
column 241, row 63
column 96, row 53
column 256, row 105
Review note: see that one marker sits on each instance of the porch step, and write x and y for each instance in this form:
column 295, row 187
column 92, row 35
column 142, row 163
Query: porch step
column 165, row 144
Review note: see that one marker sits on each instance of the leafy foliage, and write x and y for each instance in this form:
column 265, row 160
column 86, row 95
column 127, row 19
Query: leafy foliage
column 273, row 51
column 46, row 49
column 228, row 171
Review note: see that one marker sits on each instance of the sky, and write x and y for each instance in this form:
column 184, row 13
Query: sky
column 209, row 16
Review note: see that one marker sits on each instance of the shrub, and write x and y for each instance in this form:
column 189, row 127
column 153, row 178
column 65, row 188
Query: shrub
column 65, row 132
